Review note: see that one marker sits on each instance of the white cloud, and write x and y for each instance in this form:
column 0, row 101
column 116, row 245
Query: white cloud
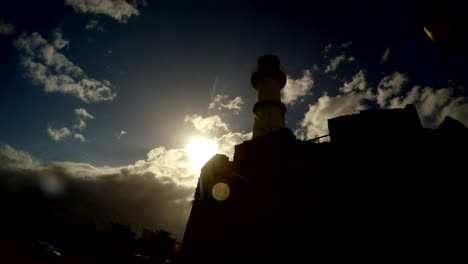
column 227, row 142
column 357, row 84
column 346, row 44
column 432, row 102
column 58, row 134
column 12, row 159
column 351, row 99
column 121, row 134
column 59, row 42
column 433, row 105
column 79, row 137
column 119, row 10
column 175, row 164
column 207, row 124
column 335, row 62
column 221, row 102
column 315, row 122
column 390, row 86
column 44, row 65
column 81, row 125
column 410, row 98
column 83, row 114
column 297, row 88
column 168, row 165
column 385, row 56
column 327, row 49
column 457, row 108
column 94, row 24
column 6, row 28
column 80, row 169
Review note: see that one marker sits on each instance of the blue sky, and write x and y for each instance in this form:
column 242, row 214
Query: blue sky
column 144, row 74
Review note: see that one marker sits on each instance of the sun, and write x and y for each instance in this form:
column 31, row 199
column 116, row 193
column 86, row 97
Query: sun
column 200, row 150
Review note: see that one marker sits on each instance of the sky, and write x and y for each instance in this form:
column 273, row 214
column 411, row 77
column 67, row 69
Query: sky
column 103, row 97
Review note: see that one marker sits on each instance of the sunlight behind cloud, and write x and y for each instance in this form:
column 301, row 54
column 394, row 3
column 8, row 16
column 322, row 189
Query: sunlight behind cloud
column 200, row 150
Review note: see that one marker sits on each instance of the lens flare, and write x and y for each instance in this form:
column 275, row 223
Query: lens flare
column 220, row 191
column 428, row 33
column 200, row 150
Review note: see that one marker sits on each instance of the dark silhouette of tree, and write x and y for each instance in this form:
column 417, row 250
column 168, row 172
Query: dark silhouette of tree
column 86, row 242
column 119, row 239
column 159, row 244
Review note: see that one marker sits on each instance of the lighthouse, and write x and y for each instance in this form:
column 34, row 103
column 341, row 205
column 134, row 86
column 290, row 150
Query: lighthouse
column 268, row 79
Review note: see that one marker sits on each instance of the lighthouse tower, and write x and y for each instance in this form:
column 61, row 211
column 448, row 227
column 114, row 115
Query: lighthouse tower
column 268, row 79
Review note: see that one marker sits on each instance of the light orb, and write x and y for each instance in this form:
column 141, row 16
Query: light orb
column 220, row 191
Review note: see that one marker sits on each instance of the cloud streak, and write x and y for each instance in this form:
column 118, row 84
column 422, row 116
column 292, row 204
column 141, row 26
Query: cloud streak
column 385, row 56
column 58, row 41
column 58, row 134
column 64, row 132
column 121, row 134
column 119, row 10
column 45, row 65
column 83, row 114
column 79, row 137
column 346, row 45
column 94, row 24
column 81, row 125
column 358, row 83
column 222, row 102
column 336, row 61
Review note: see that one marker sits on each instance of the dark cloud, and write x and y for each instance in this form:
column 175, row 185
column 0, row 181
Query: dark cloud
column 79, row 192
column 6, row 28
column 94, row 24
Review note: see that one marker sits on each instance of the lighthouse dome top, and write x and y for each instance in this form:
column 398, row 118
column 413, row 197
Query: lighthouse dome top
column 268, row 60
column 268, row 66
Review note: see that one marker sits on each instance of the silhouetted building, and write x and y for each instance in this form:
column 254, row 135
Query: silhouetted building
column 376, row 126
column 382, row 188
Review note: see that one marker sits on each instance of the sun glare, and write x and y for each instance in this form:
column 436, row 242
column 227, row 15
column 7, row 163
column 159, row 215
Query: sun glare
column 200, row 151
